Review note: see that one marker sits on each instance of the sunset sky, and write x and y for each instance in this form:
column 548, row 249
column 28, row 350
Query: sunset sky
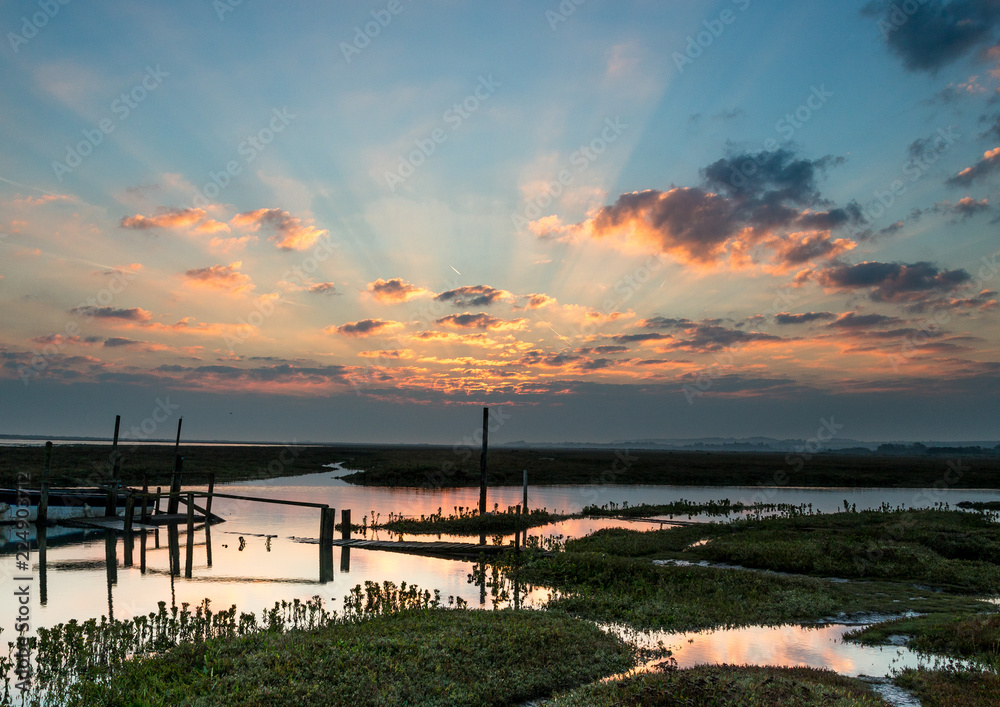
column 610, row 220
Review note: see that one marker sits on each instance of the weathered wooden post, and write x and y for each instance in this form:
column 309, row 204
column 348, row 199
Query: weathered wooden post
column 175, row 481
column 517, row 531
column 211, row 492
column 142, row 553
column 345, row 524
column 43, row 501
column 127, row 540
column 327, row 521
column 189, row 558
column 482, row 462
column 208, row 543
column 111, row 506
column 156, row 508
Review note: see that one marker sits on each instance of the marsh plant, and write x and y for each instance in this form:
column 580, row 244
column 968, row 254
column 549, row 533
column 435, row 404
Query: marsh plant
column 97, row 649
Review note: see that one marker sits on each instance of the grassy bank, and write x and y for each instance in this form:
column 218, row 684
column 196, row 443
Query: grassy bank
column 467, row 521
column 416, row 657
column 726, row 686
column 954, row 550
column 442, row 467
column 970, row 636
column 952, row 688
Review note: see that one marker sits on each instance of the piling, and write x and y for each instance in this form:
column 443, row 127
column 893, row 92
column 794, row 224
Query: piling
column 211, row 492
column 482, row 462
column 43, row 501
column 175, row 481
column 127, row 525
column 345, row 524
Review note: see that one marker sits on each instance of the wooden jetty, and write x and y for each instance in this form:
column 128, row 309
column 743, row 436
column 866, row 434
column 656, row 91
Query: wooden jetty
column 445, row 550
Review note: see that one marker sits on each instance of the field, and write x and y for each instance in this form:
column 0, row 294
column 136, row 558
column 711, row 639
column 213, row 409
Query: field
column 441, row 467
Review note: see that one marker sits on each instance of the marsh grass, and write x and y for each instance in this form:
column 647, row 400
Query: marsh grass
column 952, row 687
column 726, row 686
column 468, row 521
column 429, row 656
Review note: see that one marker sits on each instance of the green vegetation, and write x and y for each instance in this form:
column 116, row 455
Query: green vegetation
column 954, row 550
column 980, row 505
column 467, row 521
column 725, row 686
column 971, row 636
column 951, row 687
column 442, row 467
column 415, row 657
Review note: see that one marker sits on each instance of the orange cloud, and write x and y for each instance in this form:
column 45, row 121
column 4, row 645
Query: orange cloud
column 290, row 232
column 221, row 277
column 480, row 321
column 395, row 290
column 196, row 220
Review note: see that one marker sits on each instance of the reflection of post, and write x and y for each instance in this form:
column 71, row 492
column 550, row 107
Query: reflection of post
column 111, row 561
column 482, row 580
column 345, row 559
column 325, row 563
column 128, row 544
column 482, row 462
column 208, row 543
column 174, row 548
column 127, row 539
column 524, row 503
column 142, row 553
column 41, row 532
column 189, row 559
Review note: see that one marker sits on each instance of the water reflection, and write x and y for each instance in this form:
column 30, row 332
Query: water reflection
column 252, row 560
column 820, row 646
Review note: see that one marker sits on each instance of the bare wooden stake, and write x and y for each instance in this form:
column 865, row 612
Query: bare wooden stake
column 43, row 501
column 345, row 524
column 189, row 559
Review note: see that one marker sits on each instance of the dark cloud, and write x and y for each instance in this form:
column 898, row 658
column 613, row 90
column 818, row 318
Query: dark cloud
column 851, row 320
column 603, row 350
column 987, row 165
column 665, row 323
column 552, row 360
column 636, row 338
column 117, row 341
column 472, row 296
column 323, row 288
column 135, row 314
column 804, row 318
column 706, row 338
column 365, row 327
column 931, row 34
column 893, row 282
column 394, row 290
column 964, row 208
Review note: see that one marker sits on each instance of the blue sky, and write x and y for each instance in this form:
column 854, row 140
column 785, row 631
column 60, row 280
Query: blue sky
column 615, row 220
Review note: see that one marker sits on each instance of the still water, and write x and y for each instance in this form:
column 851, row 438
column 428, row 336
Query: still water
column 257, row 558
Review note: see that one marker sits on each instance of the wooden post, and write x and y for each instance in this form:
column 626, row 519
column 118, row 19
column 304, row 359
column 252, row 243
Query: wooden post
column 175, row 486
column 41, row 532
column 327, row 519
column 156, row 508
column 111, row 506
column 189, row 559
column 175, row 481
column 127, row 540
column 524, row 502
column 345, row 524
column 43, row 501
column 116, row 461
column 208, row 501
column 142, row 553
column 482, row 462
column 208, row 543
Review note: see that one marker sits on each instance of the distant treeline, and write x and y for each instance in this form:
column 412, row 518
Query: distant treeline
column 917, row 449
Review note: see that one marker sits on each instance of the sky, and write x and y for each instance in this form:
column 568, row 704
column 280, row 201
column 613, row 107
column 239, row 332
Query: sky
column 362, row 222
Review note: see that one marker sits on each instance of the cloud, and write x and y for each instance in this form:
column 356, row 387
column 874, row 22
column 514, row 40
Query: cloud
column 985, row 301
column 473, row 296
column 965, row 208
column 537, row 301
column 988, row 164
column 290, row 233
column 640, row 338
column 394, row 291
column 892, row 282
column 135, row 314
column 323, row 288
column 221, row 277
column 196, row 220
column 44, row 199
column 665, row 323
column 851, row 320
column 480, row 321
column 749, row 201
column 705, row 338
column 933, row 33
column 804, row 318
column 365, row 327
column 397, row 354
